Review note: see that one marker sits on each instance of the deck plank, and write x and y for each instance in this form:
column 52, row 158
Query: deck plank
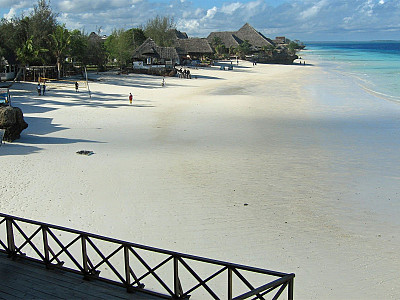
column 21, row 279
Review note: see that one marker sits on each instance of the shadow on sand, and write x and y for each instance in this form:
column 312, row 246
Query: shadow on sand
column 27, row 144
column 23, row 96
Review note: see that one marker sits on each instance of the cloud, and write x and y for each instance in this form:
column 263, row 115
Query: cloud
column 231, row 8
column 210, row 13
column 12, row 13
column 15, row 8
column 313, row 10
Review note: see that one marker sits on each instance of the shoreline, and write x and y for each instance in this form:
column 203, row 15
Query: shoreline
column 296, row 143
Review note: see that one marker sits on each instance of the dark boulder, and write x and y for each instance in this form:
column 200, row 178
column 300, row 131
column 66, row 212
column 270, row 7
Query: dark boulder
column 12, row 120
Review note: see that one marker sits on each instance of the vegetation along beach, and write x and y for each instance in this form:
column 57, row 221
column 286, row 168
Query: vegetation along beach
column 258, row 150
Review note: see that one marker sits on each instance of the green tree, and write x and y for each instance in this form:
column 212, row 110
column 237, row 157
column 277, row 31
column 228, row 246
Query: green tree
column 138, row 36
column 42, row 23
column 114, row 46
column 79, row 47
column 28, row 53
column 29, row 34
column 9, row 42
column 294, row 47
column 216, row 41
column 161, row 30
column 220, row 50
column 121, row 44
column 97, row 54
column 243, row 49
column 232, row 50
column 60, row 42
column 269, row 50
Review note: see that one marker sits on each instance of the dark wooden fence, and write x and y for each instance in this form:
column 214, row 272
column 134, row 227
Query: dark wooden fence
column 167, row 274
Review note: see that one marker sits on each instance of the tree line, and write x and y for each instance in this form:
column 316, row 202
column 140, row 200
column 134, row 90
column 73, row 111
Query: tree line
column 39, row 39
column 267, row 53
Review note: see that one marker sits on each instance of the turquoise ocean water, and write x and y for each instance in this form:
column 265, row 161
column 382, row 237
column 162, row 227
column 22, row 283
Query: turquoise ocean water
column 374, row 65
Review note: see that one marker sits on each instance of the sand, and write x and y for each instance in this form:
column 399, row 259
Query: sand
column 313, row 155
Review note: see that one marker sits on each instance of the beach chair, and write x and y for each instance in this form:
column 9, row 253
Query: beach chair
column 2, row 131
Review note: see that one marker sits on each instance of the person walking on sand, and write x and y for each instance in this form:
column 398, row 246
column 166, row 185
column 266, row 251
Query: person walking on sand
column 76, row 86
column 130, row 98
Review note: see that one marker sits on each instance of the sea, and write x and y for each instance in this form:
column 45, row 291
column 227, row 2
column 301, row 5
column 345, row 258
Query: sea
column 375, row 64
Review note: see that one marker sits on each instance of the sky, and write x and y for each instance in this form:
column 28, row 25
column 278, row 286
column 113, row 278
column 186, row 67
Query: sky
column 305, row 20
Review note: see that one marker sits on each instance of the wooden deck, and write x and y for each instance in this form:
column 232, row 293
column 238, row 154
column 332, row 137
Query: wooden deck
column 23, row 279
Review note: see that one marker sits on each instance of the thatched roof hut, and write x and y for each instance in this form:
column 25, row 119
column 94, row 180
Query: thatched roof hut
column 179, row 34
column 228, row 38
column 255, row 38
column 186, row 48
column 149, row 49
column 235, row 38
column 193, row 47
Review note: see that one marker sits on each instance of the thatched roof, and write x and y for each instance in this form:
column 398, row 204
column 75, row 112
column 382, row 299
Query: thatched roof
column 193, row 46
column 246, row 33
column 179, row 34
column 255, row 38
column 228, row 38
column 150, row 49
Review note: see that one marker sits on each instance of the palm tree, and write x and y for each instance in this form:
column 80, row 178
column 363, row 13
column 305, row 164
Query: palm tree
column 220, row 49
column 216, row 41
column 27, row 52
column 232, row 50
column 269, row 50
column 243, row 49
column 61, row 40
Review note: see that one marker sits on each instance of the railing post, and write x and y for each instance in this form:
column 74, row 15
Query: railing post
column 10, row 237
column 230, row 293
column 178, row 292
column 127, row 269
column 290, row 289
column 84, row 257
column 45, row 247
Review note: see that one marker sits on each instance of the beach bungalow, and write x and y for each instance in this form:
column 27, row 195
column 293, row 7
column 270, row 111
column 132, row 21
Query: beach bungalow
column 193, row 49
column 255, row 38
column 185, row 50
column 234, row 38
column 262, row 49
column 154, row 59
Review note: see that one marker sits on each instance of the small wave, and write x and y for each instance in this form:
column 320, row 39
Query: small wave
column 380, row 94
column 365, row 84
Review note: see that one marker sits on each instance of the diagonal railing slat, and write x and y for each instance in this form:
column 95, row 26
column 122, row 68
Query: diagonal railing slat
column 262, row 288
column 246, row 282
column 64, row 250
column 280, row 291
column 106, row 259
column 124, row 269
column 165, row 286
column 207, row 279
column 153, row 269
column 28, row 241
column 201, row 281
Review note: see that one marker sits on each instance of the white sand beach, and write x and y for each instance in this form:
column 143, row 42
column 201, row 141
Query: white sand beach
column 314, row 156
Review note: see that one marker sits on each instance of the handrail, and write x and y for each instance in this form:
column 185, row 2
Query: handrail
column 126, row 273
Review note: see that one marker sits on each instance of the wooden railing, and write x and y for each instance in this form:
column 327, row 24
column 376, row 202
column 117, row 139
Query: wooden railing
column 163, row 273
